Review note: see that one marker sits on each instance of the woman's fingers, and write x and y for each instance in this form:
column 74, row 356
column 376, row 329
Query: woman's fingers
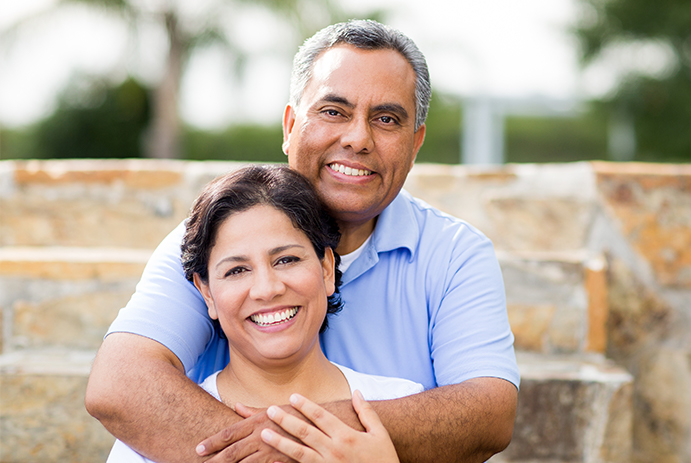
column 290, row 448
column 368, row 417
column 305, row 432
column 321, row 418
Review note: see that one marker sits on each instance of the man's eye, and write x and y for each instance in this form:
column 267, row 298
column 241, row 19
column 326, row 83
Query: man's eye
column 332, row 112
column 387, row 120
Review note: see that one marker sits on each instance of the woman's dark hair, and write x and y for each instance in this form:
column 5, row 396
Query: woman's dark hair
column 277, row 186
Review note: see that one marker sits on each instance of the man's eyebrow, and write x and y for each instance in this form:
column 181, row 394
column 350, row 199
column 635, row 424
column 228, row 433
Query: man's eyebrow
column 333, row 98
column 392, row 108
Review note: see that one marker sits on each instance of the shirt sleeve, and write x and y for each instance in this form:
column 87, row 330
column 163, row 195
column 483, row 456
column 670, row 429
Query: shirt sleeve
column 166, row 307
column 470, row 336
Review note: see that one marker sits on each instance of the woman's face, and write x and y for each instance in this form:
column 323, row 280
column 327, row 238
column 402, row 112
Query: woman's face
column 267, row 287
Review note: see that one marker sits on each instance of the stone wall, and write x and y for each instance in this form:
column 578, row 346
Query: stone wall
column 596, row 259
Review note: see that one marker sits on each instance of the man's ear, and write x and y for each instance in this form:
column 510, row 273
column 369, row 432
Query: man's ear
column 288, row 123
column 206, row 294
column 329, row 270
column 418, row 138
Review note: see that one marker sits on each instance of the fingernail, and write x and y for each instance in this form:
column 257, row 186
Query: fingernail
column 294, row 398
column 359, row 394
column 200, row 449
column 266, row 435
column 271, row 411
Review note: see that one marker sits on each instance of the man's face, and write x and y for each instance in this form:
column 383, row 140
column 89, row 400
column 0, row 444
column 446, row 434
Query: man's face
column 353, row 134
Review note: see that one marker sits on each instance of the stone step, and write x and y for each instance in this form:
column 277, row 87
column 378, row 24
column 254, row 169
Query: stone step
column 42, row 414
column 64, row 297
column 122, row 203
column 58, row 296
column 571, row 409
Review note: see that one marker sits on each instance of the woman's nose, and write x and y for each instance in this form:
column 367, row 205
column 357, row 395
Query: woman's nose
column 266, row 285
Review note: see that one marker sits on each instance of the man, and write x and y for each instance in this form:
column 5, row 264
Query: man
column 423, row 294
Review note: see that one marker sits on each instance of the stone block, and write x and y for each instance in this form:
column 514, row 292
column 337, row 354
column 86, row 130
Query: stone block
column 64, row 297
column 652, row 205
column 556, row 301
column 42, row 414
column 571, row 409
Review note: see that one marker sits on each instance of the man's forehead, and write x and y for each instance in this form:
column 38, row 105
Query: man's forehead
column 347, row 62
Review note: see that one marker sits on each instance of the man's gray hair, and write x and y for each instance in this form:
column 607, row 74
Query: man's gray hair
column 368, row 35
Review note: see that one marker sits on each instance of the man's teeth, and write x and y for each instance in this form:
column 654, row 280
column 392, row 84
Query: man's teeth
column 349, row 170
column 262, row 319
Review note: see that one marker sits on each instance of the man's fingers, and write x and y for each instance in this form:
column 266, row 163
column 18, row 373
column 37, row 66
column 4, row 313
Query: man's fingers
column 223, row 439
column 245, row 411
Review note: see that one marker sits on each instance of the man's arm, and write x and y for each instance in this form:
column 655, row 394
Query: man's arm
column 138, row 390
column 466, row 422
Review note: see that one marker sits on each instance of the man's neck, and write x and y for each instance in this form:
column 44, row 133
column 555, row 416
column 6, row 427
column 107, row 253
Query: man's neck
column 353, row 235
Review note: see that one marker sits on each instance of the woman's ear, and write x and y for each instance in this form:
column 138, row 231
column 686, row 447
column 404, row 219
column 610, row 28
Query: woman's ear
column 206, row 294
column 329, row 269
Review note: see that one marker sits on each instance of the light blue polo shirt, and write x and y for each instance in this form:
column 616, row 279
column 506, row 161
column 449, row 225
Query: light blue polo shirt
column 424, row 301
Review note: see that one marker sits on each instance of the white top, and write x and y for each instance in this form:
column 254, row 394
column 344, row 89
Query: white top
column 372, row 387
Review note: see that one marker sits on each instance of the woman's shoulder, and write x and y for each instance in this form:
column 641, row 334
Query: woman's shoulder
column 375, row 387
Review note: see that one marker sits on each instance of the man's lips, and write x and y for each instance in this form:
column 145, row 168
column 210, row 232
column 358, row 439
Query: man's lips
column 350, row 171
column 274, row 318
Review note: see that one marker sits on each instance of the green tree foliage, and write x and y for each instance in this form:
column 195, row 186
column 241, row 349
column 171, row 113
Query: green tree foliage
column 580, row 137
column 658, row 105
column 255, row 143
column 112, row 125
column 443, row 135
column 92, row 120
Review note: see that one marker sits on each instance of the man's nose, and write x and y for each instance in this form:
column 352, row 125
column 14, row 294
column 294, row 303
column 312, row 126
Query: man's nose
column 358, row 136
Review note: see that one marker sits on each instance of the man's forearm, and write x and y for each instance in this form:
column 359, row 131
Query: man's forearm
column 138, row 391
column 467, row 422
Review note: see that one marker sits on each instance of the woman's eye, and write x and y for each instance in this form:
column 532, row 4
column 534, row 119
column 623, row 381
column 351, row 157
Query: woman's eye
column 235, row 271
column 287, row 260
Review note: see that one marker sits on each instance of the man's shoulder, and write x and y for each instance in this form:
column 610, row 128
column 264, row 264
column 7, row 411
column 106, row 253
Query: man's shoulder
column 432, row 221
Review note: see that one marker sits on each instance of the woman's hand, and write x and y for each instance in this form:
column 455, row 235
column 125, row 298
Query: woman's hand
column 330, row 440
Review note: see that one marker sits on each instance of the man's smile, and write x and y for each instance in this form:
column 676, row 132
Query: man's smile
column 336, row 167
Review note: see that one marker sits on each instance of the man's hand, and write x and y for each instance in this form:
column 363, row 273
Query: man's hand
column 242, row 441
column 331, row 440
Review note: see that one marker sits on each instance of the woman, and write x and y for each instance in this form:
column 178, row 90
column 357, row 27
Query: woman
column 259, row 246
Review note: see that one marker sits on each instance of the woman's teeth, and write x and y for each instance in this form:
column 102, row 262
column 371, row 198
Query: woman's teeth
column 274, row 318
column 349, row 170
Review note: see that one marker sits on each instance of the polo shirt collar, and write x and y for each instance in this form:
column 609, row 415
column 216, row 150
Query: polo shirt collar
column 395, row 229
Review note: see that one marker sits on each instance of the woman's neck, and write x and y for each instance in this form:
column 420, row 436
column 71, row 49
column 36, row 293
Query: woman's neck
column 260, row 386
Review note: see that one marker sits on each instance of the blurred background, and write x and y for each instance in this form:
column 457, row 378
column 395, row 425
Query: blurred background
column 529, row 81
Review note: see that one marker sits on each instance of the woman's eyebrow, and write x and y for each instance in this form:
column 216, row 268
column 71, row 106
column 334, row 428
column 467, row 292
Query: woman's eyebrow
column 280, row 249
